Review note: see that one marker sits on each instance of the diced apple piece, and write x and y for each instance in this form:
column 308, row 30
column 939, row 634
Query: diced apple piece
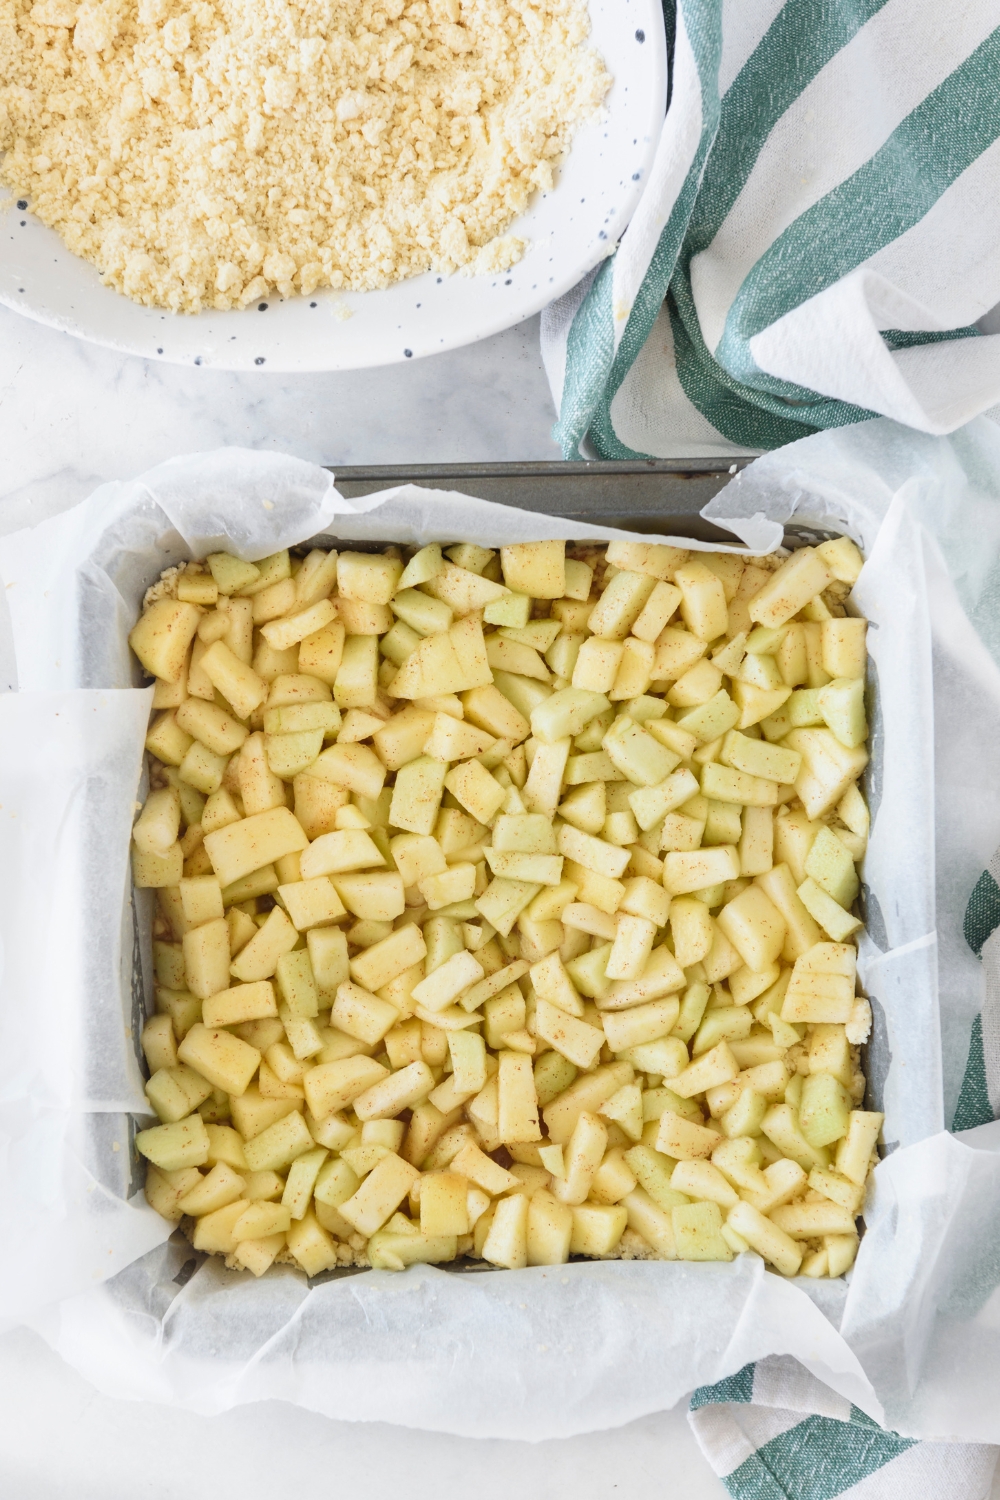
column 535, row 568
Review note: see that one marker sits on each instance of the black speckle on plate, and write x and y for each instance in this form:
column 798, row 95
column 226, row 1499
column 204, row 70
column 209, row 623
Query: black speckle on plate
column 636, row 176
column 440, row 279
column 22, row 204
column 314, row 304
column 507, row 283
column 159, row 351
column 640, row 36
column 197, row 359
column 262, row 307
column 408, row 353
column 24, row 221
column 259, row 360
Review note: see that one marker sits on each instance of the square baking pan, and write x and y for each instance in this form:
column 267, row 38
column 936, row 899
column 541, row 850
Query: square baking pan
column 662, row 496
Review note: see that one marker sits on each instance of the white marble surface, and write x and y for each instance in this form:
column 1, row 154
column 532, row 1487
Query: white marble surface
column 63, row 1441
column 74, row 414
column 71, row 416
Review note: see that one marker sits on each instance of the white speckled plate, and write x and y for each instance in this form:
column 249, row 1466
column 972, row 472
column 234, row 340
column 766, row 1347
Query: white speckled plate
column 569, row 229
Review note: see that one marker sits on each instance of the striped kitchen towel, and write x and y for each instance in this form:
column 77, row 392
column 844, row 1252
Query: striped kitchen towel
column 775, row 1432
column 817, row 240
column 979, row 1101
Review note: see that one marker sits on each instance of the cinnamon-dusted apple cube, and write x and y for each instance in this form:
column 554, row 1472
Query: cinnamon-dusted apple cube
column 506, row 1243
column 320, row 654
column 754, row 926
column 162, row 636
column 535, row 568
column 157, row 827
column 206, row 958
column 597, row 1228
column 566, row 712
column 353, row 766
column 799, row 579
column 449, row 887
column 380, row 964
column 444, row 1205
column 202, row 768
column 632, row 946
column 710, row 720
column 166, row 740
column 759, row 759
column 311, row 903
column 361, row 1014
column 844, row 653
column 464, row 591
column 802, row 931
column 245, row 1002
column 253, row 842
column 474, row 787
column 360, row 618
column 401, row 1090
column 159, row 1044
column 635, row 670
column 157, row 871
column 316, row 577
column 683, row 873
column 333, row 1086
column 700, row 683
column 842, row 558
column 236, row 680
column 597, row 664
column 620, row 605
column 542, row 789
column 259, row 958
column 164, row 1190
column 640, row 1023
column 172, row 1147
column 683, row 1139
column 311, row 1245
column 356, row 682
column 371, row 577
column 824, row 1111
column 588, row 1092
column 657, row 612
column 175, row 1091
column 340, row 852
column 377, row 897
column 380, row 1194
column 661, row 976
column 451, row 739
column 488, row 709
column 855, row 1151
column 691, row 930
column 640, row 758
column 574, row 1039
column 277, row 1146
column 223, row 1059
column 417, row 794
column 703, row 600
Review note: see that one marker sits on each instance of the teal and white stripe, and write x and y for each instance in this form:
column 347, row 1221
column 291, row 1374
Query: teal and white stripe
column 775, row 1432
column 819, row 235
column 979, row 1101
